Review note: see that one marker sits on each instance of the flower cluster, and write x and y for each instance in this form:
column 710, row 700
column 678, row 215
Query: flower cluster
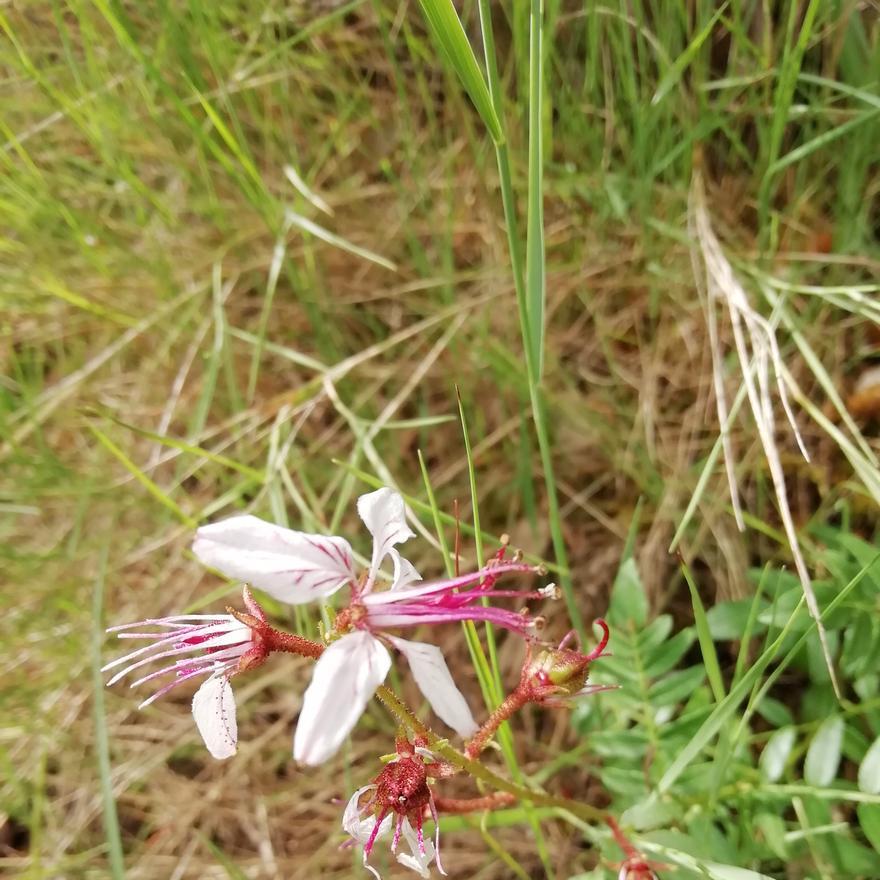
column 354, row 660
column 295, row 568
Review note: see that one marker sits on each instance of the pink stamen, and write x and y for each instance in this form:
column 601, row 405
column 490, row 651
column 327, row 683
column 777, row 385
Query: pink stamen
column 176, row 621
column 568, row 638
column 170, row 686
column 413, row 615
column 176, row 638
column 448, row 586
column 368, row 846
column 398, row 827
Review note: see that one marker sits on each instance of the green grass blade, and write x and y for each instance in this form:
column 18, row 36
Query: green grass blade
column 820, row 141
column 435, row 512
column 112, row 832
column 681, row 64
column 192, row 449
column 539, row 414
column 447, row 30
column 536, row 281
column 155, row 490
column 790, row 69
column 707, row 645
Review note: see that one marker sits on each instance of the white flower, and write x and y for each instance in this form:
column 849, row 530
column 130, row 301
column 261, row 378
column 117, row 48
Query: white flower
column 196, row 645
column 295, row 567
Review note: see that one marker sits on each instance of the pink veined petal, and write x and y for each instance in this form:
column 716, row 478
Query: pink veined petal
column 291, row 566
column 345, row 677
column 213, row 708
column 432, row 675
column 405, row 574
column 384, row 514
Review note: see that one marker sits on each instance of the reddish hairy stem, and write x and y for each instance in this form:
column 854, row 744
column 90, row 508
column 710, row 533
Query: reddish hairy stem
column 628, row 849
column 473, row 805
column 275, row 640
column 513, row 702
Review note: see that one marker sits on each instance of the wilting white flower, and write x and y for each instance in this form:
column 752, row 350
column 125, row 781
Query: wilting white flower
column 365, row 827
column 200, row 644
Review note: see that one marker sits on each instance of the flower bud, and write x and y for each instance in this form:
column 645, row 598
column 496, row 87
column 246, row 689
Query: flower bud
column 561, row 672
column 636, row 868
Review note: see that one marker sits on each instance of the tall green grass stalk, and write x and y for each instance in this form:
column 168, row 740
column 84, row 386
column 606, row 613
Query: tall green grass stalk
column 531, row 320
column 112, row 833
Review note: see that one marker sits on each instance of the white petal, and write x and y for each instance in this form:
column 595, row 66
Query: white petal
column 358, row 827
column 213, row 708
column 435, row 682
column 417, row 861
column 405, row 574
column 291, row 566
column 384, row 514
column 345, row 677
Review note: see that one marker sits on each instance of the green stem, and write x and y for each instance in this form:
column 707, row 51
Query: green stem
column 517, row 261
column 287, row 643
column 473, row 768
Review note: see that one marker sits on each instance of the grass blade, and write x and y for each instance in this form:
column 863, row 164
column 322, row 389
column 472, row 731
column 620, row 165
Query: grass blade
column 155, row 490
column 674, row 73
column 725, row 709
column 536, row 281
column 707, row 645
column 782, row 98
column 294, row 219
column 102, row 740
column 446, row 29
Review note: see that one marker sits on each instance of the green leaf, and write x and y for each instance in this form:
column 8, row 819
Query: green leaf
column 823, row 755
column 778, row 714
column 775, row 755
column 869, row 769
column 447, row 30
column 629, row 604
column 677, row 686
column 869, row 819
column 773, row 829
column 727, row 620
column 668, row 655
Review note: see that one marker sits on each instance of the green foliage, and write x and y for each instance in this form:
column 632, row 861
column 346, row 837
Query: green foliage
column 789, row 777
